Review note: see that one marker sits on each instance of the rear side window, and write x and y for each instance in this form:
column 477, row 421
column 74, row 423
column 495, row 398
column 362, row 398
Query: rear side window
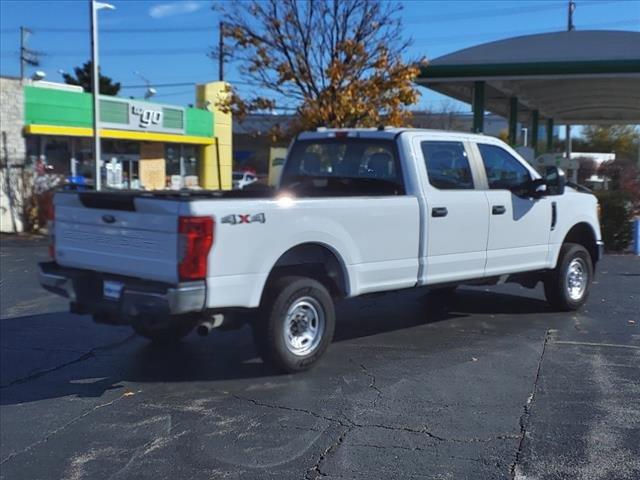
column 504, row 171
column 447, row 165
column 343, row 166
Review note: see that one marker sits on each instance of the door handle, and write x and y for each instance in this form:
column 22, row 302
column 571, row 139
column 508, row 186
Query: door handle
column 439, row 212
column 498, row 209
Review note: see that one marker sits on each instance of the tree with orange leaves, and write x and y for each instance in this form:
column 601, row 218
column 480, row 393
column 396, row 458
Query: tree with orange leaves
column 337, row 63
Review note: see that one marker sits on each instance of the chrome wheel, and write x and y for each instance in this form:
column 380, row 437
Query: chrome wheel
column 576, row 279
column 304, row 326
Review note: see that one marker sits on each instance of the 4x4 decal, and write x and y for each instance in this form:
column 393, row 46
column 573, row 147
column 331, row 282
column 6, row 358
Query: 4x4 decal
column 237, row 219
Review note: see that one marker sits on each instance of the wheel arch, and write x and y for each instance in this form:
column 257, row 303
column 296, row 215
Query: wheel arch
column 583, row 234
column 315, row 260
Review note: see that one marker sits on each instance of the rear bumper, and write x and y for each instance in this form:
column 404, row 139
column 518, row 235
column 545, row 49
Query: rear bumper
column 138, row 297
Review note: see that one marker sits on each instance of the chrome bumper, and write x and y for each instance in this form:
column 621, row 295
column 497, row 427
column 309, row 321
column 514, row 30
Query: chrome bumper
column 138, row 297
column 56, row 283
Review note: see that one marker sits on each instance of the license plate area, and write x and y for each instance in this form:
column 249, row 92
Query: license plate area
column 111, row 289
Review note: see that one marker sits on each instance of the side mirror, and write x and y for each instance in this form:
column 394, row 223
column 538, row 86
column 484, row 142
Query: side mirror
column 536, row 188
column 555, row 179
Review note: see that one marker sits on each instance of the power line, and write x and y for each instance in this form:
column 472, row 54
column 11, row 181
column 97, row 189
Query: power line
column 187, row 84
column 448, row 38
column 122, row 53
column 424, row 41
column 60, row 30
column 499, row 12
column 472, row 14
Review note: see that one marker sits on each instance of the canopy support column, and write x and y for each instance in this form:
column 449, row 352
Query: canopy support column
column 478, row 107
column 513, row 120
column 535, row 119
column 549, row 135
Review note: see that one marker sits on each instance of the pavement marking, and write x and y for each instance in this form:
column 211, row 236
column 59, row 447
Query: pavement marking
column 593, row 344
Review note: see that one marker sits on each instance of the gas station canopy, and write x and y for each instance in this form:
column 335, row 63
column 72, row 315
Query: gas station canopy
column 576, row 77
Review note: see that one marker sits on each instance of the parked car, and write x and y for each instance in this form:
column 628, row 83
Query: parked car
column 356, row 212
column 242, row 179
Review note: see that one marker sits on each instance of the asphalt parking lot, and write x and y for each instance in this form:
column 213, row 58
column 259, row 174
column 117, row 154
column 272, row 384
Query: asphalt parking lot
column 489, row 383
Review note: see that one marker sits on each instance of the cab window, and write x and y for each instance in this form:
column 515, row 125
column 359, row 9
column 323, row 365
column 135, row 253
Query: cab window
column 343, row 166
column 504, row 171
column 447, row 165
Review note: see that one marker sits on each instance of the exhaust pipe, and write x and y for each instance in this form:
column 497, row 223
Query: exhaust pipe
column 205, row 327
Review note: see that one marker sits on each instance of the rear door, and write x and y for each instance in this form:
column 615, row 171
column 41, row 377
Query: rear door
column 457, row 212
column 519, row 227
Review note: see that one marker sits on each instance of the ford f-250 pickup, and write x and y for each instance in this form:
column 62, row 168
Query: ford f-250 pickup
column 356, row 211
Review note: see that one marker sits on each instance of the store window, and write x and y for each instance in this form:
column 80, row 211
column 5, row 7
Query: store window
column 57, row 155
column 190, row 160
column 182, row 165
column 120, row 164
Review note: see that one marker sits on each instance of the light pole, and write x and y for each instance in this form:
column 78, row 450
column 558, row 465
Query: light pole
column 95, row 82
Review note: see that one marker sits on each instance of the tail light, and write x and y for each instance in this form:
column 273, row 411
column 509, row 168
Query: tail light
column 196, row 239
column 51, row 217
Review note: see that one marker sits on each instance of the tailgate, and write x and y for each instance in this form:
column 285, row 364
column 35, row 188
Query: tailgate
column 118, row 233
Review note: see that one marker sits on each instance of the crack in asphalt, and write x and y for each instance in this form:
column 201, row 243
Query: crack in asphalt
column 372, row 383
column 327, row 451
column 294, row 409
column 351, row 425
column 526, row 413
column 61, row 428
column 85, row 356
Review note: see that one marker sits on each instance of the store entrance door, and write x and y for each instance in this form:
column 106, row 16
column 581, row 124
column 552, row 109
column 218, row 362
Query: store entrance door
column 121, row 171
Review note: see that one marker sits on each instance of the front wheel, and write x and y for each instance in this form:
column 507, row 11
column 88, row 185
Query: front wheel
column 567, row 286
column 296, row 323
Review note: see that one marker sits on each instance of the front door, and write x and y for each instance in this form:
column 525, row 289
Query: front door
column 519, row 227
column 457, row 214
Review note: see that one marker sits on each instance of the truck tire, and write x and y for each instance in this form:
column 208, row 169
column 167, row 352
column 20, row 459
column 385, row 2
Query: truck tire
column 163, row 331
column 567, row 286
column 296, row 323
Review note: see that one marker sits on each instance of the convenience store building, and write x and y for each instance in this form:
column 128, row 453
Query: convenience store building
column 47, row 131
column 144, row 145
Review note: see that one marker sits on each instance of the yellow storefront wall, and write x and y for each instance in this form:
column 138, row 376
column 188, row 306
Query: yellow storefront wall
column 220, row 153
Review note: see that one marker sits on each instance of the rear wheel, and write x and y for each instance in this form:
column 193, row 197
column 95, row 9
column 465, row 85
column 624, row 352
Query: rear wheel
column 163, row 330
column 296, row 323
column 567, row 286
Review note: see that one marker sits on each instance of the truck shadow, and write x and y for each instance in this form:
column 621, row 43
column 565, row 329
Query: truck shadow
column 229, row 358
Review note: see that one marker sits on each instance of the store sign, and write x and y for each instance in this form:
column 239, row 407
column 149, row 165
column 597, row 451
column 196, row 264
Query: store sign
column 122, row 114
column 147, row 117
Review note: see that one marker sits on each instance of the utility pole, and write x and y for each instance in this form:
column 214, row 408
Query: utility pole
column 95, row 90
column 572, row 8
column 27, row 56
column 567, row 131
column 94, row 6
column 221, row 52
column 23, row 40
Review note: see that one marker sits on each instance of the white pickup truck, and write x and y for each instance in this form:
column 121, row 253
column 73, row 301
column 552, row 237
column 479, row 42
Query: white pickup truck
column 356, row 212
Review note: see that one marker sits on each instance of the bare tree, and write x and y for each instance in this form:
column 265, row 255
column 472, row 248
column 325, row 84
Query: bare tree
column 339, row 62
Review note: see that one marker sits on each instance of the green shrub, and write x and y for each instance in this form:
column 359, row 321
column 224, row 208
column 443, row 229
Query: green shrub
column 615, row 219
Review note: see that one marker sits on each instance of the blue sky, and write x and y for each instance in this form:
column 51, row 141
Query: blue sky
column 167, row 42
